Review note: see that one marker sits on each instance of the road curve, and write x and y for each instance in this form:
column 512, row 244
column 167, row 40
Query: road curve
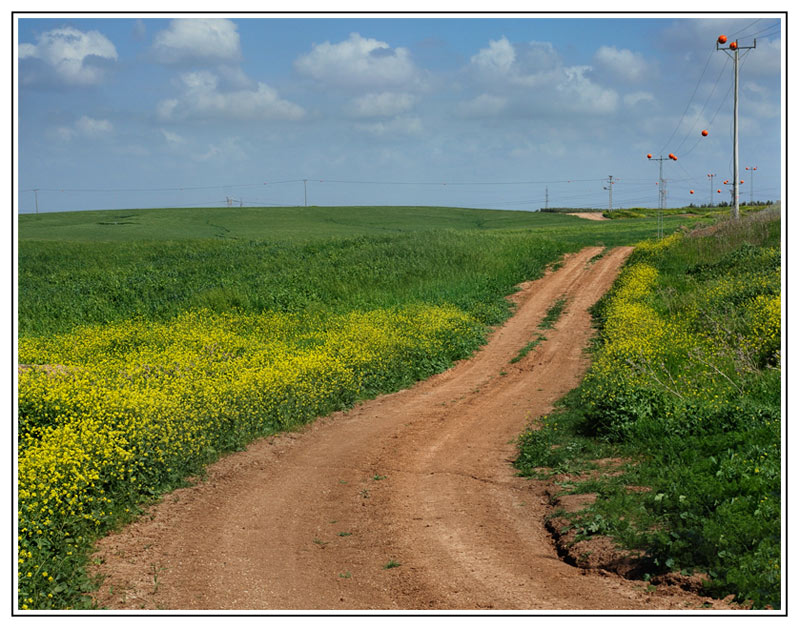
column 408, row 501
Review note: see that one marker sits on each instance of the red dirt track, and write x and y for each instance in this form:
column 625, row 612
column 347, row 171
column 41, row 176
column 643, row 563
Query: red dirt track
column 422, row 478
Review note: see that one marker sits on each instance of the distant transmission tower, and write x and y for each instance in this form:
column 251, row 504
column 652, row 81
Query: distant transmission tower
column 662, row 190
column 752, row 170
column 546, row 198
column 711, row 191
column 610, row 189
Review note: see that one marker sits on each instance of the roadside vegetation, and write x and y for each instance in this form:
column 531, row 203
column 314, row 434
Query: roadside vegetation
column 684, row 395
column 141, row 360
column 718, row 212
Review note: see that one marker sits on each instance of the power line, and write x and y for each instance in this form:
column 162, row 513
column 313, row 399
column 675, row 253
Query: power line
column 169, row 189
column 746, row 27
column 304, row 180
column 700, row 113
column 702, row 74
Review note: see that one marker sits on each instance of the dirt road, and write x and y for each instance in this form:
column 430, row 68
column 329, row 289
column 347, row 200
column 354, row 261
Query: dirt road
column 590, row 216
column 409, row 501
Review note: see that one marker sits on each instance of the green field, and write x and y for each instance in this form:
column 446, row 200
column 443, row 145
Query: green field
column 76, row 268
column 155, row 340
column 303, row 224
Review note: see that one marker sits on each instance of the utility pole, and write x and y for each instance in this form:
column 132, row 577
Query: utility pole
column 305, row 193
column 735, row 47
column 611, row 183
column 711, row 191
column 662, row 190
column 36, row 199
column 752, row 172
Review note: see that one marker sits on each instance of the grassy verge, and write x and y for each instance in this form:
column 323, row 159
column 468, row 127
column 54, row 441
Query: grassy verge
column 685, row 395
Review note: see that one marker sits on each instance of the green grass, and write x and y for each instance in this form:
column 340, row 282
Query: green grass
column 550, row 319
column 72, row 272
column 528, row 347
column 553, row 314
column 298, row 224
column 687, row 392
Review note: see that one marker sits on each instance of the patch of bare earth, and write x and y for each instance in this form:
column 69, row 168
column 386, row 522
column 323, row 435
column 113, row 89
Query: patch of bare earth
column 409, row 501
column 590, row 216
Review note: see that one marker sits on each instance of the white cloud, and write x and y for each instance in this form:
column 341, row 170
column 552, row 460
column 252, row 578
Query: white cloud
column 202, row 98
column 228, row 151
column 86, row 127
column 172, row 138
column 498, row 57
column 92, row 127
column 165, row 109
column 68, row 56
column 764, row 60
column 197, row 39
column 482, row 106
column 534, row 80
column 65, row 134
column 624, row 64
column 381, row 105
column 635, row 98
column 524, row 65
column 359, row 61
column 583, row 96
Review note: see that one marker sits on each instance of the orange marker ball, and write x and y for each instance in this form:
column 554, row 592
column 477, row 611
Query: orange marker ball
column 704, row 132
column 722, row 39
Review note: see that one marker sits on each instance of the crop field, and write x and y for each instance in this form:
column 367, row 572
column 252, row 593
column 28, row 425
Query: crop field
column 152, row 341
column 686, row 387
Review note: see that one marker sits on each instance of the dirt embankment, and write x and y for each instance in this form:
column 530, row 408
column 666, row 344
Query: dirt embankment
column 409, row 501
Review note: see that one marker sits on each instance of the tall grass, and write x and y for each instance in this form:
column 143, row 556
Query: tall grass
column 66, row 284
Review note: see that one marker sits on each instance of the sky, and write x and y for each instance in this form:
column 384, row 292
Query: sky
column 488, row 111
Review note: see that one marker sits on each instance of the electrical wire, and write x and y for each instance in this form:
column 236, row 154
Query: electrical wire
column 746, row 27
column 702, row 74
column 700, row 113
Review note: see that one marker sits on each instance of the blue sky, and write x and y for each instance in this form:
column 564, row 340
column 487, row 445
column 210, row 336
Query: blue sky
column 484, row 111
